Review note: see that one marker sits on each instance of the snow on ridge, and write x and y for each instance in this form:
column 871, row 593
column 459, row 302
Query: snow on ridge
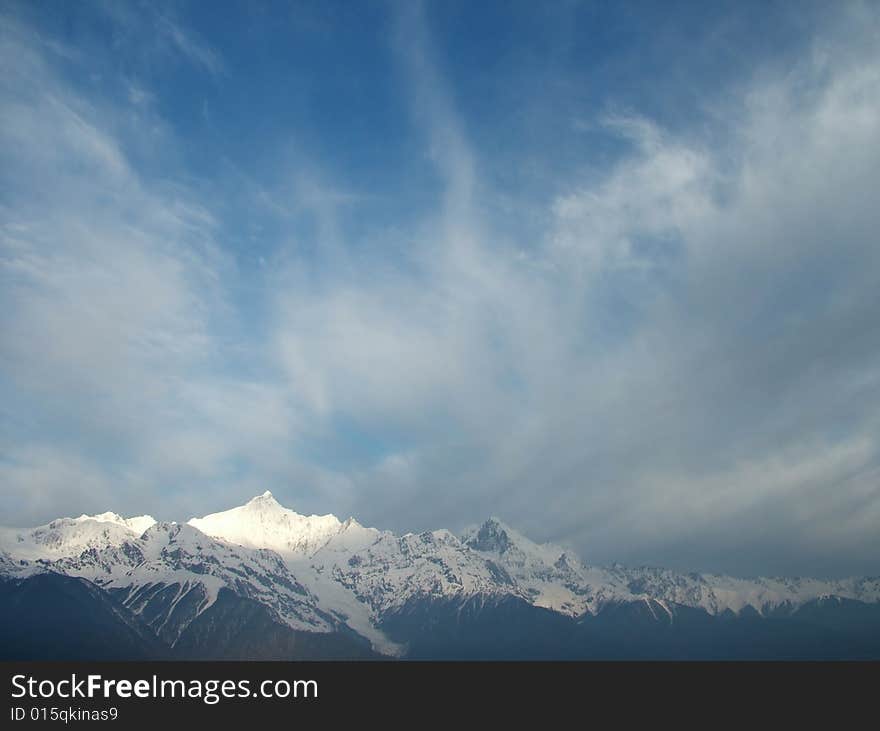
column 138, row 523
column 556, row 579
column 71, row 536
column 172, row 554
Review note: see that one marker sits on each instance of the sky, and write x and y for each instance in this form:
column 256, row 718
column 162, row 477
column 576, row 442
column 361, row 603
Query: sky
column 607, row 271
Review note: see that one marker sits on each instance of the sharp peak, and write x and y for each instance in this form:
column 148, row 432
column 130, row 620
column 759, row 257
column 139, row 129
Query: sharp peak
column 268, row 500
column 499, row 525
column 264, row 504
column 494, row 534
column 491, row 535
column 495, row 520
column 264, row 497
column 493, row 523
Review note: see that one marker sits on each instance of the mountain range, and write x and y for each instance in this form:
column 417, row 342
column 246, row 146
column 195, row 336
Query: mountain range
column 261, row 581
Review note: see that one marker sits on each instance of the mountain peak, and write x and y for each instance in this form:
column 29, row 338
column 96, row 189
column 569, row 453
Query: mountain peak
column 495, row 523
column 263, row 522
column 492, row 536
column 137, row 523
column 70, row 536
column 264, row 500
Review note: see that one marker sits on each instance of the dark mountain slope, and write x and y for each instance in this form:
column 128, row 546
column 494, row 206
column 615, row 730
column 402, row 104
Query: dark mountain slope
column 237, row 628
column 53, row 617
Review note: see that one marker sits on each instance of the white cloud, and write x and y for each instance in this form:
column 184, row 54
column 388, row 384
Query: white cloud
column 688, row 355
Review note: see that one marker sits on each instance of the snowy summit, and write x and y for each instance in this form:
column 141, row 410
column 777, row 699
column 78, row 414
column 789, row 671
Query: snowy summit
column 264, row 523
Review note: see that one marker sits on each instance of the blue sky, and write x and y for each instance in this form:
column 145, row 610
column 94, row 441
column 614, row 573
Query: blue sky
column 608, row 271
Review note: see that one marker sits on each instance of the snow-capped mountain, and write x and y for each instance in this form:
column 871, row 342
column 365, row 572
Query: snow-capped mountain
column 390, row 570
column 549, row 575
column 267, row 569
column 264, row 523
column 356, row 572
column 556, row 579
column 174, row 573
column 70, row 536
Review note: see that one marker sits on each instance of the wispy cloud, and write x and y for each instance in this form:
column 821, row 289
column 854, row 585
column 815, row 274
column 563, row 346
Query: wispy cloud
column 188, row 45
